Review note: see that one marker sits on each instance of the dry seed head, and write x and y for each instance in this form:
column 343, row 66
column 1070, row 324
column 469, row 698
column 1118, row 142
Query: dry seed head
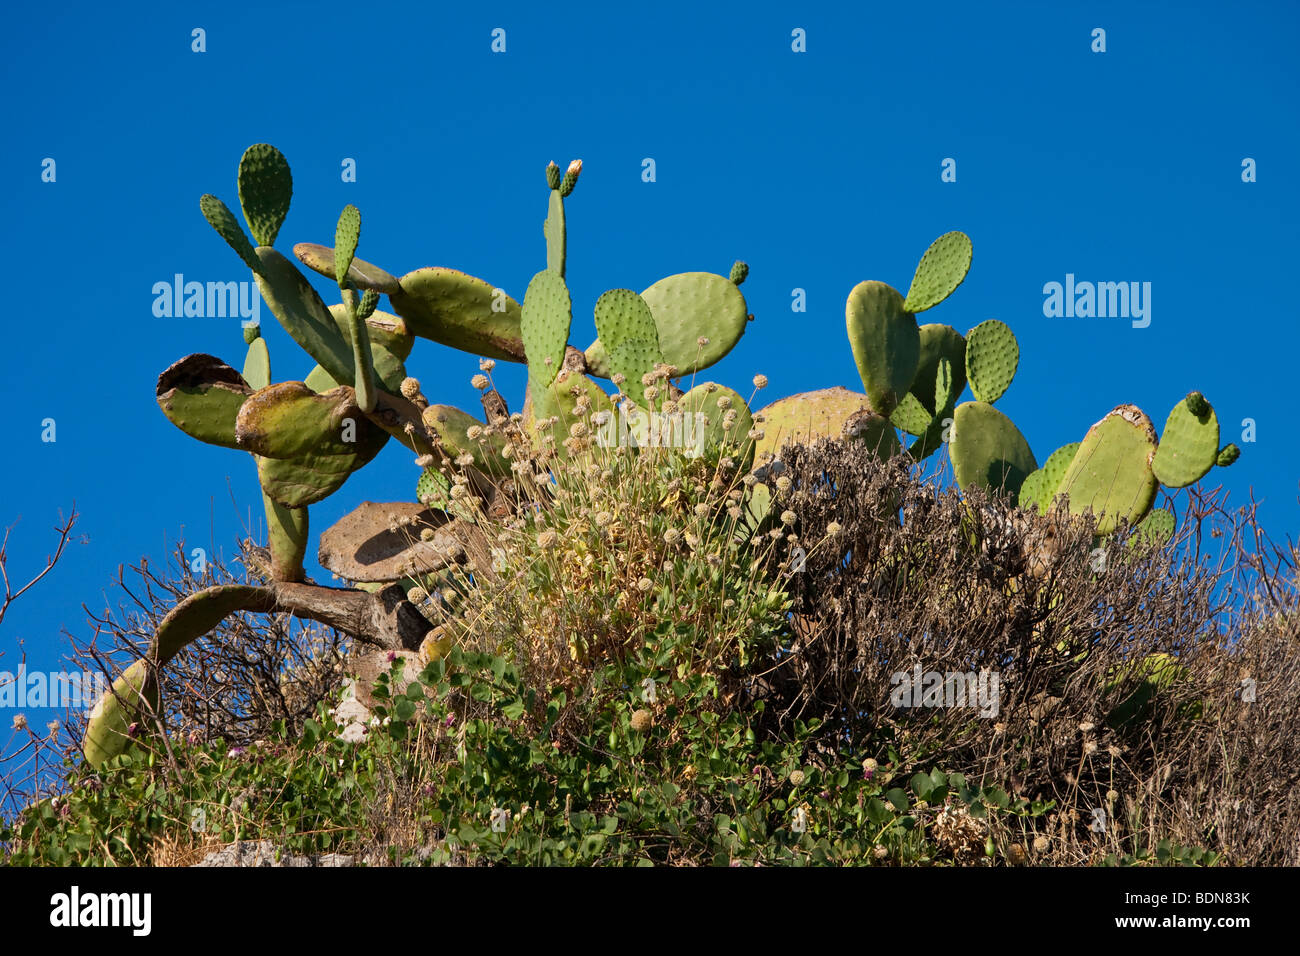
column 641, row 721
column 760, row 381
column 548, row 540
column 672, row 536
column 417, row 595
column 702, row 510
column 603, row 518
column 788, row 517
column 783, row 483
column 479, row 381
column 486, row 364
column 645, row 584
column 702, row 341
column 465, row 460
column 797, row 777
column 410, row 387
column 834, row 528
column 618, row 378
column 473, row 432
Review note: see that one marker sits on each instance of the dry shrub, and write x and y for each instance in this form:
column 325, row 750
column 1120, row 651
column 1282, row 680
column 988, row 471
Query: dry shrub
column 237, row 681
column 916, row 575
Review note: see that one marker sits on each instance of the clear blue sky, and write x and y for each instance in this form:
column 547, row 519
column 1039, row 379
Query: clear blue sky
column 820, row 169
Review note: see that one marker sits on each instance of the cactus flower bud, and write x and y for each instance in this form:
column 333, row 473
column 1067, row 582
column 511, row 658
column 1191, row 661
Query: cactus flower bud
column 570, row 177
column 252, row 333
column 739, row 271
column 1227, row 456
column 553, row 175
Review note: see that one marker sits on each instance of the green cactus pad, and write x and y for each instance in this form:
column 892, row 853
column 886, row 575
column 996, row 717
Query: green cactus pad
column 201, row 395
column 1040, row 488
column 1189, row 445
column 554, row 231
column 257, row 365
column 133, row 695
column 634, row 359
column 199, row 613
column 455, row 309
column 286, row 532
column 265, row 189
column 825, row 413
column 544, row 326
column 911, row 416
column 627, row 328
column 300, row 439
column 220, row 218
column 945, row 393
column 992, row 356
column 941, row 270
column 346, row 236
column 939, row 342
column 687, row 307
column 304, row 316
column 451, row 425
column 1156, row 673
column 560, row 400
column 1227, row 455
column 361, row 274
column 709, row 430
column 1111, row 472
column 988, row 450
column 886, row 343
column 1155, row 530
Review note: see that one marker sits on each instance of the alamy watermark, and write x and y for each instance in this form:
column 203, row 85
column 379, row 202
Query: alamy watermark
column 51, row 688
column 642, row 429
column 1102, row 300
column 207, row 300
column 919, row 688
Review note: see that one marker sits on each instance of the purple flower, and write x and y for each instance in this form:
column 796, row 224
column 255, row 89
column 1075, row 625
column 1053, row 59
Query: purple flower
column 237, row 751
column 133, row 730
column 392, row 656
column 451, row 719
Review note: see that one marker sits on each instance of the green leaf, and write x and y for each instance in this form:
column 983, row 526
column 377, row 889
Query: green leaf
column 898, row 798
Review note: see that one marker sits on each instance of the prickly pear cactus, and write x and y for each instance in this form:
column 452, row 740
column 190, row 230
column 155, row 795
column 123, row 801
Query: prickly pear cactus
column 1110, row 475
column 886, row 343
column 942, row 268
column 988, row 450
column 1189, row 445
column 265, row 190
column 992, row 357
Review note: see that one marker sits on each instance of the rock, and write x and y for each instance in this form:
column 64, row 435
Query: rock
column 263, row 853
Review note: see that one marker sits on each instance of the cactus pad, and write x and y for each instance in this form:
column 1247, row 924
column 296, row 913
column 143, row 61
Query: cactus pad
column 201, row 395
column 386, row 340
column 301, row 440
column 886, row 343
column 346, row 236
column 939, row 342
column 1189, row 444
column 554, row 231
column 1040, row 488
column 826, row 413
column 992, row 356
column 941, row 270
column 265, row 189
column 220, row 218
column 302, row 313
column 988, row 450
column 452, row 425
column 911, row 416
column 544, row 326
column 456, row 309
column 361, row 274
column 1227, row 455
column 687, row 307
column 257, row 365
column 1156, row 529
column 1111, row 472
column 133, row 694
column 711, row 429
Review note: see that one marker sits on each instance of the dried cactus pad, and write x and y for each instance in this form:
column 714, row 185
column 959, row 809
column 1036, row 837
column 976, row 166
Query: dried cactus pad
column 361, row 274
column 1111, row 472
column 988, row 450
column 941, row 270
column 825, row 413
column 1189, row 444
column 992, row 356
column 265, row 189
column 381, row 542
column 461, row 311
column 886, row 343
column 1040, row 488
column 201, row 395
